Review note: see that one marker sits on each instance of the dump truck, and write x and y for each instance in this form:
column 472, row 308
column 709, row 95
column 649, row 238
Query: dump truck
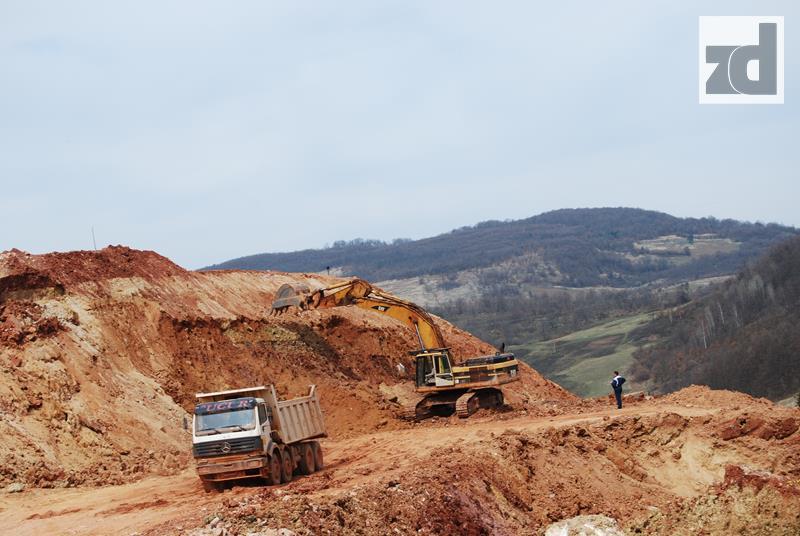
column 249, row 433
column 444, row 386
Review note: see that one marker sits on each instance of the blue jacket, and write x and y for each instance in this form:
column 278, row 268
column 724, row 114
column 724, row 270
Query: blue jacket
column 617, row 382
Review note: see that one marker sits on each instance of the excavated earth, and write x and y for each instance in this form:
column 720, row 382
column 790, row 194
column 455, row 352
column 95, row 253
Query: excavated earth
column 101, row 354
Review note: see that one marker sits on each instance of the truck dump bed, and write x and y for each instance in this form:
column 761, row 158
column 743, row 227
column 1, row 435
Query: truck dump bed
column 299, row 418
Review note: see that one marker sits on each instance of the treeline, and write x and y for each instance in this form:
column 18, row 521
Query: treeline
column 588, row 246
column 743, row 336
column 501, row 315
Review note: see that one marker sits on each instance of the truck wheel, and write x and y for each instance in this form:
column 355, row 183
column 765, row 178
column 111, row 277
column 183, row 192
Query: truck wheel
column 319, row 463
column 288, row 466
column 275, row 468
column 307, row 465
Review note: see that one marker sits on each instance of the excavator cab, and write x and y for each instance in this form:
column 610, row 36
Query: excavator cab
column 433, row 368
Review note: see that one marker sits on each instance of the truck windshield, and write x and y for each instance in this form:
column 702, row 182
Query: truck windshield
column 227, row 421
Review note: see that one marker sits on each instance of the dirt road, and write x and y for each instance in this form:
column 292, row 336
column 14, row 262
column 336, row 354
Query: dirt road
column 131, row 508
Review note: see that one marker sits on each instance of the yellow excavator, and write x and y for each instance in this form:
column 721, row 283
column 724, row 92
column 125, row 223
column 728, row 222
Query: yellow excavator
column 444, row 387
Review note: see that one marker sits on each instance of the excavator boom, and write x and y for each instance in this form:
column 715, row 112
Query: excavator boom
column 361, row 294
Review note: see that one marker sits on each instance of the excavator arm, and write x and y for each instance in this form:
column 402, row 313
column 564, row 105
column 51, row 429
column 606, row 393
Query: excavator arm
column 445, row 388
column 361, row 294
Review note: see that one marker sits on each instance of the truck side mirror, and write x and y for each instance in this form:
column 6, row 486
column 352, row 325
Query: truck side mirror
column 185, row 423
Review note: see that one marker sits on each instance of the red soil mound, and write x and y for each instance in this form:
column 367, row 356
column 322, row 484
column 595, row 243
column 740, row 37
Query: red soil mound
column 75, row 267
column 101, row 354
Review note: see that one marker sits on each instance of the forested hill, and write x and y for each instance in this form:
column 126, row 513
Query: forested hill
column 743, row 336
column 619, row 247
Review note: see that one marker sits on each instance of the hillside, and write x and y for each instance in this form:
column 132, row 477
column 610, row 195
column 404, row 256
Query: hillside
column 576, row 337
column 738, row 332
column 583, row 360
column 742, row 336
column 101, row 354
column 616, row 247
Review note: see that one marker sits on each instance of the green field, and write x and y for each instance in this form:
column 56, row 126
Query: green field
column 584, row 361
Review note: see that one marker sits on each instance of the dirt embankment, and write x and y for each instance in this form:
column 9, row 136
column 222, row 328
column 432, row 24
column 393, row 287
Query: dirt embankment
column 101, row 354
column 658, row 467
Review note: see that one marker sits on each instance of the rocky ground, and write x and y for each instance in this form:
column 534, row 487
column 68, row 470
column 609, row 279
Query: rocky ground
column 102, row 352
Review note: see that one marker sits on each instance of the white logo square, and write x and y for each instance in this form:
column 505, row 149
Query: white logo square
column 741, row 60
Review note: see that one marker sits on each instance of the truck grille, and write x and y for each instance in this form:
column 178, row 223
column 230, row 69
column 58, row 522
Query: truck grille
column 226, row 447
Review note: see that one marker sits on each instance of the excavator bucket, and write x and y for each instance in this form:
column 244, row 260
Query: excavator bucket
column 290, row 296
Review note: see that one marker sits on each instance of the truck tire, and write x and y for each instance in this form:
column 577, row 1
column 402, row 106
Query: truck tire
column 319, row 463
column 287, row 467
column 275, row 468
column 307, row 465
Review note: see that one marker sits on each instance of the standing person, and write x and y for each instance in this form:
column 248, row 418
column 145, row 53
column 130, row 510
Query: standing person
column 616, row 384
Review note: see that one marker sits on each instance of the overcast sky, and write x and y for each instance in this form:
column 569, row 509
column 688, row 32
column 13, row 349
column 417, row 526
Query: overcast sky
column 212, row 130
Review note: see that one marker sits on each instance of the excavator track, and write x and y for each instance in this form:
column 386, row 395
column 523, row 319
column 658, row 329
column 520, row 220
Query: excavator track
column 409, row 413
column 473, row 400
column 465, row 405
column 415, row 409
column 440, row 404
